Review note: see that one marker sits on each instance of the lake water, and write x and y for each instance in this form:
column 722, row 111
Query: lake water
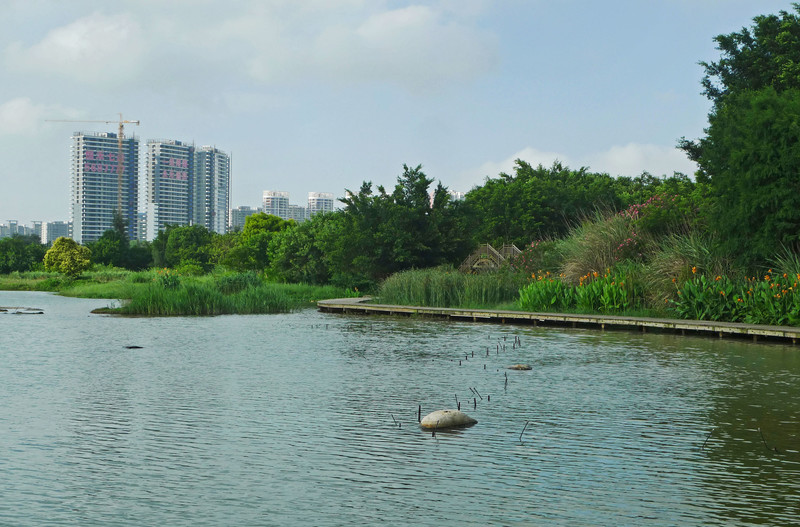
column 311, row 419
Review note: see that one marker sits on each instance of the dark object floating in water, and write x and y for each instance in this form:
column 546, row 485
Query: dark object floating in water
column 22, row 310
column 520, row 367
column 442, row 419
column 133, row 347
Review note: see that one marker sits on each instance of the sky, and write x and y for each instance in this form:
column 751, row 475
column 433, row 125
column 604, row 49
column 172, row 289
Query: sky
column 322, row 95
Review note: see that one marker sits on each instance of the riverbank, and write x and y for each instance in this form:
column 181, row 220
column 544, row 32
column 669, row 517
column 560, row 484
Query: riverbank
column 596, row 321
column 166, row 293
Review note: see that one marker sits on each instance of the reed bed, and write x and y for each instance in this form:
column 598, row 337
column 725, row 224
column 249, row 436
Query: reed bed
column 449, row 288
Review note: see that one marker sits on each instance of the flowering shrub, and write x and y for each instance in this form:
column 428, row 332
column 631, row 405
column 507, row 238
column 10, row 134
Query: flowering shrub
column 660, row 214
column 540, row 254
column 611, row 292
column 769, row 300
column 167, row 279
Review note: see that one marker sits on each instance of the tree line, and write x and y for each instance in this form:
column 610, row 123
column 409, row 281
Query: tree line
column 745, row 195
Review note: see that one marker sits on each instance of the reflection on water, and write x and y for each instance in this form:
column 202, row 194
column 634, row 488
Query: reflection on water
column 310, row 419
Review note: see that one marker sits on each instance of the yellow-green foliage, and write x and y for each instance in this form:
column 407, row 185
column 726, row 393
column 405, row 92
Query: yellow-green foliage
column 68, row 257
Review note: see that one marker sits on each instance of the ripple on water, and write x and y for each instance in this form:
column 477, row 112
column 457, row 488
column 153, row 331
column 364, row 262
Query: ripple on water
column 293, row 420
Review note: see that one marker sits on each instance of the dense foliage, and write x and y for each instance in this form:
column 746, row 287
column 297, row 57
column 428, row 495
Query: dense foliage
column 590, row 241
column 749, row 155
column 20, row 253
column 67, row 257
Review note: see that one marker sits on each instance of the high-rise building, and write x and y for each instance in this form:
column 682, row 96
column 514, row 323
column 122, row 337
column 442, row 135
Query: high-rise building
column 187, row 186
column 53, row 230
column 319, row 202
column 276, row 203
column 239, row 216
column 97, row 187
column 212, row 188
column 298, row 213
column 169, row 185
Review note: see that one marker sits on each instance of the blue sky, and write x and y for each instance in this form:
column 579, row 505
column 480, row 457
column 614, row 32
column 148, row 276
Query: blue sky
column 320, row 95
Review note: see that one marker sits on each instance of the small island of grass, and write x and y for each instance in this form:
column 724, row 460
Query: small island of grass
column 166, row 293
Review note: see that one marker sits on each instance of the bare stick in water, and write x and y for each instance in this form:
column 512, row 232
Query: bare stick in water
column 707, row 438
column 774, row 449
column 523, row 431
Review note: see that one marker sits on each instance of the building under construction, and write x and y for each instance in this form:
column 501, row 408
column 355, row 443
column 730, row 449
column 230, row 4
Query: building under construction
column 104, row 177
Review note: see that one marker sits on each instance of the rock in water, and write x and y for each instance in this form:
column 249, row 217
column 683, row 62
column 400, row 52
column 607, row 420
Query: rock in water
column 441, row 419
column 520, row 367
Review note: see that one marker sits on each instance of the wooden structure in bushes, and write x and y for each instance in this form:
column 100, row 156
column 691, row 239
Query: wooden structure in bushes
column 487, row 258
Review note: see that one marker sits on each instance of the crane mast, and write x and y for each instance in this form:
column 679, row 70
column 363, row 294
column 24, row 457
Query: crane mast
column 120, row 157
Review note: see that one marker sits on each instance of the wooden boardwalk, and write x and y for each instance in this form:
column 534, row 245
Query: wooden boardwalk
column 701, row 327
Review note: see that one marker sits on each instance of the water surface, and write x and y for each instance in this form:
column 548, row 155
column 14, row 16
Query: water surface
column 310, row 419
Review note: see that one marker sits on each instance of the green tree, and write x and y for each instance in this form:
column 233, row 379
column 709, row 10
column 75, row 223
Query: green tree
column 68, row 257
column 752, row 152
column 20, row 253
column 768, row 54
column 139, row 256
column 538, row 202
column 296, row 253
column 188, row 245
column 381, row 233
column 765, row 55
column 747, row 157
column 110, row 249
column 251, row 252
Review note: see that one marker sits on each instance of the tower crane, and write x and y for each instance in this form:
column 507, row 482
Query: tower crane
column 120, row 136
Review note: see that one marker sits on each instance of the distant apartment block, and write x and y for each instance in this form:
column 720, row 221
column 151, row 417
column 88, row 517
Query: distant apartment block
column 97, row 186
column 211, row 189
column 9, row 229
column 276, row 203
column 239, row 216
column 319, row 202
column 297, row 213
column 186, row 185
column 169, row 195
column 53, row 230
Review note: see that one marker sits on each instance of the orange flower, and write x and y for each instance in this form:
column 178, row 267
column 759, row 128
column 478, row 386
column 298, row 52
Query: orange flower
column 694, row 270
column 718, row 278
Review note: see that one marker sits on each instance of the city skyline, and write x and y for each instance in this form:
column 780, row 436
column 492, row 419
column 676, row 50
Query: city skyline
column 325, row 95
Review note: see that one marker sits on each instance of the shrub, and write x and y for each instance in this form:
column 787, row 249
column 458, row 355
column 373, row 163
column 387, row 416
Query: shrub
column 67, row 257
column 599, row 244
column 168, row 279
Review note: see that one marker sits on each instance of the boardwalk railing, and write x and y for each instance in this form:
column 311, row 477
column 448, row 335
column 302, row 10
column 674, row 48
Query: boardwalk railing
column 602, row 322
column 486, row 257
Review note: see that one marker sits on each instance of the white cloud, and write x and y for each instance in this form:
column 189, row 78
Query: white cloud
column 530, row 155
column 347, row 41
column 415, row 47
column 23, row 117
column 633, row 158
column 95, row 49
column 628, row 160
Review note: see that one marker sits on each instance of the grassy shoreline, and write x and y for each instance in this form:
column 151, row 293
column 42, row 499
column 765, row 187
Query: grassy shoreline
column 165, row 293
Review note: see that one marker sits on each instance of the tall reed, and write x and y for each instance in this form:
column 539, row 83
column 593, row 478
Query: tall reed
column 446, row 287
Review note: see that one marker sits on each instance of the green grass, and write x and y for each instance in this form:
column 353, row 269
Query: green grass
column 165, row 293
column 443, row 287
